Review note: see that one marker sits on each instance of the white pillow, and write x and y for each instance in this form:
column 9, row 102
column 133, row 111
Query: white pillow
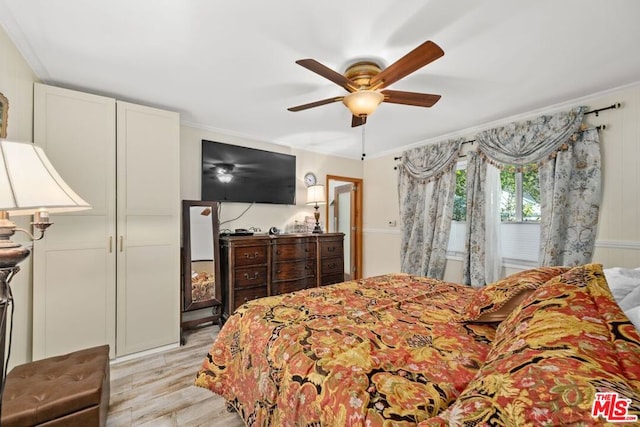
column 622, row 281
column 631, row 300
column 634, row 316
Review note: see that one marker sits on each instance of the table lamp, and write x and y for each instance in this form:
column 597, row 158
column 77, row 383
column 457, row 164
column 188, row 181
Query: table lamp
column 315, row 195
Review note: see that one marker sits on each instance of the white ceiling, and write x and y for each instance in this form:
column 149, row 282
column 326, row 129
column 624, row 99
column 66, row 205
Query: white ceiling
column 229, row 66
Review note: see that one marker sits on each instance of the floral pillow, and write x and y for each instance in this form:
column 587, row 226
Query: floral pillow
column 494, row 302
column 568, row 341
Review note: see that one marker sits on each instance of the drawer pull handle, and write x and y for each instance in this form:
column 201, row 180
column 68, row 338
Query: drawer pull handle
column 249, row 256
column 331, row 249
column 255, row 276
column 333, row 265
column 249, row 299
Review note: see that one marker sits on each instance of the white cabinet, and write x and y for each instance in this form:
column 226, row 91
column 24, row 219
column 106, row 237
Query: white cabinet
column 109, row 275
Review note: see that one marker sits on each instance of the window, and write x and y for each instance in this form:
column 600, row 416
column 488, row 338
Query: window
column 519, row 212
column 520, row 194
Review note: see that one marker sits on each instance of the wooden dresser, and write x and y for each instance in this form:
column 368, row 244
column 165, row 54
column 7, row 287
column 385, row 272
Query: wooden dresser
column 259, row 266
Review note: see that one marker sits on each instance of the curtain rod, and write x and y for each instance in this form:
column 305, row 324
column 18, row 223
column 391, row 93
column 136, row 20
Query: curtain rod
column 610, row 107
column 596, row 112
column 471, row 141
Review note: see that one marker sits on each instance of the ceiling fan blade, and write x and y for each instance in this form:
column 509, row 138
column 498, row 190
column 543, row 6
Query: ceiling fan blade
column 328, row 73
column 419, row 57
column 358, row 121
column 410, row 98
column 315, row 104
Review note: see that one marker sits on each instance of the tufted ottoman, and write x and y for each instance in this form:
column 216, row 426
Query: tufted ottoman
column 70, row 390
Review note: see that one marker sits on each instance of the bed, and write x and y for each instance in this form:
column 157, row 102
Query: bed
column 401, row 350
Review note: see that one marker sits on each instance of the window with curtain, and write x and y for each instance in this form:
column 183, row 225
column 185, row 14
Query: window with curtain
column 519, row 214
column 566, row 155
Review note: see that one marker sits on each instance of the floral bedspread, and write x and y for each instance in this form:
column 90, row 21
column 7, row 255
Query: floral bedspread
column 400, row 350
column 375, row 352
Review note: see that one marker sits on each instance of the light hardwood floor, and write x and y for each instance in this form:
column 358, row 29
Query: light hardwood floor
column 158, row 390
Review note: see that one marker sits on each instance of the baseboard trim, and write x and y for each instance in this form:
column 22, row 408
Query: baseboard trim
column 144, row 353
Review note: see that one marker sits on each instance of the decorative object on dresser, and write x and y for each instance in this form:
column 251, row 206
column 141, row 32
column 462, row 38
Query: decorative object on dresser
column 316, row 195
column 258, row 266
column 29, row 185
column 200, row 263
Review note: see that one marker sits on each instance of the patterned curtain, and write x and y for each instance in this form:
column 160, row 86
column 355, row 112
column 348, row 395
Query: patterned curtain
column 474, row 261
column 518, row 143
column 426, row 188
column 570, row 196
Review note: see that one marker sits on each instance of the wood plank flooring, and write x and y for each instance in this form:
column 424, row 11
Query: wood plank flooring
column 158, row 390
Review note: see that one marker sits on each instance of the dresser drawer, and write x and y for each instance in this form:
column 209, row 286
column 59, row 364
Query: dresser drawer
column 243, row 295
column 250, row 277
column 286, row 287
column 331, row 279
column 294, row 270
column 331, row 248
column 293, row 251
column 250, row 255
column 331, row 266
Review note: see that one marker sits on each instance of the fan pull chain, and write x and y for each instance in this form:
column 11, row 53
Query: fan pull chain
column 363, row 153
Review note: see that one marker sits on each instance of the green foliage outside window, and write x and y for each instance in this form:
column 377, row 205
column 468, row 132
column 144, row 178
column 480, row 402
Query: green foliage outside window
column 530, row 193
column 460, row 197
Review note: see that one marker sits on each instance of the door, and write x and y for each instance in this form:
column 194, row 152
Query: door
column 344, row 213
column 148, row 228
column 74, row 283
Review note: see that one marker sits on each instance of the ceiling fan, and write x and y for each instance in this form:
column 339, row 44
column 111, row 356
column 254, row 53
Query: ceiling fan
column 365, row 80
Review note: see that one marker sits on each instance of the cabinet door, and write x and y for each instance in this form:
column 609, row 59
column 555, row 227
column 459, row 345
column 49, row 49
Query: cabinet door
column 74, row 287
column 148, row 205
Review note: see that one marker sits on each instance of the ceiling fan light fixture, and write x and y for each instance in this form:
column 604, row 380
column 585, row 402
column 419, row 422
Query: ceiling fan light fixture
column 223, row 172
column 224, row 177
column 363, row 102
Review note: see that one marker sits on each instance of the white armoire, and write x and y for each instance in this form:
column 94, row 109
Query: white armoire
column 109, row 275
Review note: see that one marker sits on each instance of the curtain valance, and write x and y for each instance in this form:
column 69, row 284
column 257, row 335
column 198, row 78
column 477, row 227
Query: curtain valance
column 432, row 160
column 529, row 141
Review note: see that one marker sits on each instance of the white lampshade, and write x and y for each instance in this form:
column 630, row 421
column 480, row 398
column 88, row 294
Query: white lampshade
column 315, row 194
column 363, row 102
column 29, row 183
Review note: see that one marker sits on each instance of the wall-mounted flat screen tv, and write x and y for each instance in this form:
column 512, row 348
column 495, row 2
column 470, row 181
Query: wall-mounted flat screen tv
column 231, row 173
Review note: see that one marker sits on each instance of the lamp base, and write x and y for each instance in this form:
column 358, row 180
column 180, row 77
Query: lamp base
column 316, row 215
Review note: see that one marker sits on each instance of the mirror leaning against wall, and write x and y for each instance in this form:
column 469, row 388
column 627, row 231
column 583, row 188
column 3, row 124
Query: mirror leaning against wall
column 201, row 286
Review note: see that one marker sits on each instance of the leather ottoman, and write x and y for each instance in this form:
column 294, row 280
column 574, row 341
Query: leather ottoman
column 70, row 390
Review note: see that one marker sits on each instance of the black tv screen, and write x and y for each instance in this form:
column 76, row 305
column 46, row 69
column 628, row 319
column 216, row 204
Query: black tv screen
column 231, row 173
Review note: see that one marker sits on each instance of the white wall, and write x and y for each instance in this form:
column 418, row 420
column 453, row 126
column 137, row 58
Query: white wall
column 618, row 242
column 16, row 83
